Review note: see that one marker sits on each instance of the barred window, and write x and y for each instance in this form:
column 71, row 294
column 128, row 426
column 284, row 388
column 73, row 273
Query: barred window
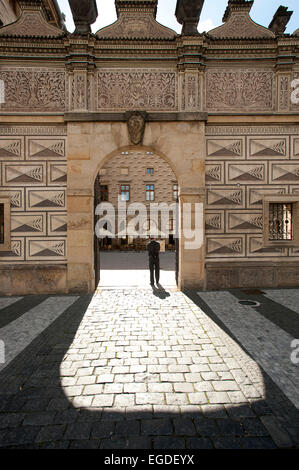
column 280, row 221
column 150, row 192
column 1, row 223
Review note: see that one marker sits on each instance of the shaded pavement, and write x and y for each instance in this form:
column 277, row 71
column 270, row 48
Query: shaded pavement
column 138, row 368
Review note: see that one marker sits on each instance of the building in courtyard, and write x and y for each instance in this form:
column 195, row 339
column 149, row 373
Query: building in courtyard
column 137, row 110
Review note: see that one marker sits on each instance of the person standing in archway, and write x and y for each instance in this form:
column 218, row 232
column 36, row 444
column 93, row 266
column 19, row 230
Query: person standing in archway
column 153, row 248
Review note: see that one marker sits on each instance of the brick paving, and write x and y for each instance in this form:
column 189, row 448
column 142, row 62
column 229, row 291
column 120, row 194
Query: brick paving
column 140, row 369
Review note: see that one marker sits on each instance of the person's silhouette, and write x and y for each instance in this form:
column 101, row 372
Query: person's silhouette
column 153, row 248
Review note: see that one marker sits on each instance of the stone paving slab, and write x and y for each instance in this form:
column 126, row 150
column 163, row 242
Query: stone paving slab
column 134, row 368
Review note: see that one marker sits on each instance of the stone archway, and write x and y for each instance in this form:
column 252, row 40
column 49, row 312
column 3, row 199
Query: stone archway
column 90, row 145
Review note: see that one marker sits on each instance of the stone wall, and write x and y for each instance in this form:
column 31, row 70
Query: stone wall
column 245, row 164
column 33, row 176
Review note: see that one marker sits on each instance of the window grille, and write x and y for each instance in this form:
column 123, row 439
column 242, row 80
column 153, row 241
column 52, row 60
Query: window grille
column 280, row 221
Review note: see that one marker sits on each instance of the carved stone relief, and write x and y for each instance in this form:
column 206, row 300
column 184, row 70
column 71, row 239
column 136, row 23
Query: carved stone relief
column 137, row 89
column 238, row 90
column 33, row 89
column 136, row 126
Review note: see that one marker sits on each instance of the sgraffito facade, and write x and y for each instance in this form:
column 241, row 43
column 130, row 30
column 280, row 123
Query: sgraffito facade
column 220, row 108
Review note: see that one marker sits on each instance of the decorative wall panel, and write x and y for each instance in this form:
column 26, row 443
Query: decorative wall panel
column 33, row 175
column 244, row 222
column 258, row 162
column 246, row 173
column 215, row 173
column 11, row 149
column 45, row 249
column 255, row 194
column 28, row 224
column 47, row 199
column 295, row 148
column 34, row 89
column 225, row 246
column 227, row 197
column 225, row 148
column 132, row 89
column 16, row 252
column 24, row 175
column 284, row 172
column 215, row 221
column 228, row 90
column 45, row 149
column 269, row 148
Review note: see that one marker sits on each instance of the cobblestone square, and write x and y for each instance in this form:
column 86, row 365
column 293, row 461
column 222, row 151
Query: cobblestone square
column 135, row 368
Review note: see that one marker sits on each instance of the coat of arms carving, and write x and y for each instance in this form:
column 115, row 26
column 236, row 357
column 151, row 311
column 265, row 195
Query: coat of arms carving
column 136, row 126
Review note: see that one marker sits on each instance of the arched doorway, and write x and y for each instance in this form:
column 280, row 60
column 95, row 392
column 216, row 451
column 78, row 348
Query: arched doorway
column 135, row 196
column 91, row 144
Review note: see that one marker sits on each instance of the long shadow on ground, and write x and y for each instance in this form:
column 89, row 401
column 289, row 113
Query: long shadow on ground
column 35, row 413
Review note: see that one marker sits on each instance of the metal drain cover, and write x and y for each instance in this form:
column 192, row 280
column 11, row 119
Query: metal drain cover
column 251, row 303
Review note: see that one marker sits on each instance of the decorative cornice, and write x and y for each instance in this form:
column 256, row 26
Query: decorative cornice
column 238, row 24
column 136, row 20
column 31, row 24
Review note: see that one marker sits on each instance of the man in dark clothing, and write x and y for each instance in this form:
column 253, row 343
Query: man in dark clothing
column 153, row 249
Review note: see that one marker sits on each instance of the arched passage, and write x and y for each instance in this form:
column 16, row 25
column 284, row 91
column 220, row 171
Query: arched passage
column 90, row 146
column 135, row 184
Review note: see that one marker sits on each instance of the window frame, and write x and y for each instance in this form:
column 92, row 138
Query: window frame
column 103, row 191
column 149, row 192
column 281, row 199
column 125, row 191
column 5, row 200
column 175, row 191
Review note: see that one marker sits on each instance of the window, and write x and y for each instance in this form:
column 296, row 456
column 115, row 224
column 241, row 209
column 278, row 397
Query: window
column 4, row 223
column 175, row 192
column 280, row 221
column 104, row 192
column 150, row 171
column 1, row 223
column 125, row 192
column 150, row 192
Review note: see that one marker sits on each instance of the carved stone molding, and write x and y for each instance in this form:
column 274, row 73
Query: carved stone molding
column 251, row 130
column 190, row 91
column 79, row 90
column 10, row 129
column 284, row 93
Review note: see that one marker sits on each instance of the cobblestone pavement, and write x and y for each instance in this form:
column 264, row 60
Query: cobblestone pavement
column 149, row 369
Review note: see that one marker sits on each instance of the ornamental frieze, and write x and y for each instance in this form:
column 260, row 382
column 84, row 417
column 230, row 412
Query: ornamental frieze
column 137, row 89
column 232, row 90
column 33, row 89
